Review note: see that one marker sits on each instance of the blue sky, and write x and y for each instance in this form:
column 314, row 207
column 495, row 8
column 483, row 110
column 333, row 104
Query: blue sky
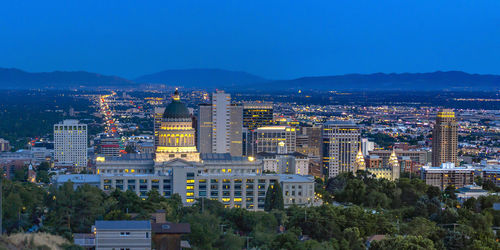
column 274, row 39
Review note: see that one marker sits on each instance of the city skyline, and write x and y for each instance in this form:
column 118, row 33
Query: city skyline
column 250, row 125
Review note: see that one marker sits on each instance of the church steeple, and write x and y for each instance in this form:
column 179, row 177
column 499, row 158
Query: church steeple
column 359, row 163
column 394, row 165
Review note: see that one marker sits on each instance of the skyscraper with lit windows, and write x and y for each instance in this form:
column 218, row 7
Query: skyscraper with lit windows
column 444, row 138
column 340, row 146
column 70, row 144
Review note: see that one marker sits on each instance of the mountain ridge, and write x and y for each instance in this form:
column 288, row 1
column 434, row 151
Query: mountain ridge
column 240, row 80
column 16, row 78
column 209, row 77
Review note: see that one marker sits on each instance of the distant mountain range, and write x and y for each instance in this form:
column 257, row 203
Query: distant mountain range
column 18, row 79
column 208, row 78
column 439, row 80
column 237, row 80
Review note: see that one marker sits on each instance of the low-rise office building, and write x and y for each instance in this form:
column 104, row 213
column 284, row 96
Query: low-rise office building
column 447, row 175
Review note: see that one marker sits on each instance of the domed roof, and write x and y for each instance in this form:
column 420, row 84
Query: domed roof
column 176, row 109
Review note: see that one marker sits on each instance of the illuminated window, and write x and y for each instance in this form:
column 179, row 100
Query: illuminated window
column 189, row 200
column 189, row 187
column 189, row 194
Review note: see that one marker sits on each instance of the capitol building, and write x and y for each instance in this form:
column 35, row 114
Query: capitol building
column 177, row 167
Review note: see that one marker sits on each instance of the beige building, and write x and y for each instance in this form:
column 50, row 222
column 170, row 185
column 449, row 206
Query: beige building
column 444, row 138
column 220, row 126
column 294, row 163
column 269, row 139
column 447, row 174
column 70, row 145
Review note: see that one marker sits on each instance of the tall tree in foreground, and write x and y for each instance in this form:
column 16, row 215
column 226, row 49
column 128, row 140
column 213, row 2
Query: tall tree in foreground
column 274, row 198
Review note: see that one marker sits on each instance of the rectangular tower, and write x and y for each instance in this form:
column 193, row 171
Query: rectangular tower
column 340, row 146
column 70, row 144
column 257, row 115
column 444, row 138
column 220, row 126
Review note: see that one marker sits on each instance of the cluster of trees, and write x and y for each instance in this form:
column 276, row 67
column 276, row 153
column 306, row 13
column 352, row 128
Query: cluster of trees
column 409, row 213
column 422, row 210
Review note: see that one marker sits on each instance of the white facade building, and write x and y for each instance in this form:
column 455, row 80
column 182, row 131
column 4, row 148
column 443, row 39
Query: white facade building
column 70, row 144
column 294, row 163
column 366, row 146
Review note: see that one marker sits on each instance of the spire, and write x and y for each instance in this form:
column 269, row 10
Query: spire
column 393, row 159
column 359, row 163
column 394, row 165
column 176, row 95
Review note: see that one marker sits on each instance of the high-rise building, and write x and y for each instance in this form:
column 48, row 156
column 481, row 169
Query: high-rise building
column 444, row 138
column 70, row 144
column 220, row 126
column 257, row 115
column 340, row 145
column 158, row 114
column 274, row 139
column 309, row 141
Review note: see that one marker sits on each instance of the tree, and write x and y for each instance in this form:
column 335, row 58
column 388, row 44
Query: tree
column 489, row 185
column 403, row 242
column 274, row 198
column 449, row 192
column 42, row 172
column 433, row 191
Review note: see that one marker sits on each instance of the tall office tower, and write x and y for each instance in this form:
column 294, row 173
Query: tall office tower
column 176, row 134
column 366, row 146
column 309, row 141
column 257, row 115
column 444, row 138
column 220, row 126
column 246, row 142
column 158, row 114
column 340, row 145
column 70, row 144
column 271, row 138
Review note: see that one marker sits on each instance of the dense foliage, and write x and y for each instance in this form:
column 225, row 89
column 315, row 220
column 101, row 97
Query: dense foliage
column 409, row 213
